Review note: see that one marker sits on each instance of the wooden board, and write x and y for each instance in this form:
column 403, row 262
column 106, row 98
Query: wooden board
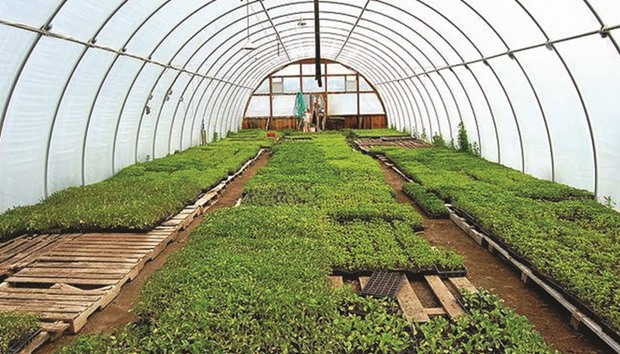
column 463, row 284
column 410, row 304
column 336, row 282
column 364, row 281
column 444, row 296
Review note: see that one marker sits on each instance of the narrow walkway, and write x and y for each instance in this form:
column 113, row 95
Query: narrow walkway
column 489, row 272
column 119, row 312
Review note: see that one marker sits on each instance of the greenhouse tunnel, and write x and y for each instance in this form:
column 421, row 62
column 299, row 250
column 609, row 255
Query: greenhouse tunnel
column 310, row 176
column 88, row 87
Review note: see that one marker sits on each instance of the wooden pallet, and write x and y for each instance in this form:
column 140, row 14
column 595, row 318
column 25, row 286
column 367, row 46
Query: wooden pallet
column 410, row 303
column 21, row 251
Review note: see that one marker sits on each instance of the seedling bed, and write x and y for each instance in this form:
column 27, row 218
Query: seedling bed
column 580, row 312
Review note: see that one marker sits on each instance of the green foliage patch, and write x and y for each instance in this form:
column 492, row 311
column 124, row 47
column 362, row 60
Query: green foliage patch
column 253, row 279
column 430, row 203
column 137, row 198
column 561, row 230
column 13, row 326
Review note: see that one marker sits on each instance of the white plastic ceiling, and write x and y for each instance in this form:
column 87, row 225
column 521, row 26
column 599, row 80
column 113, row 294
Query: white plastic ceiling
column 88, row 86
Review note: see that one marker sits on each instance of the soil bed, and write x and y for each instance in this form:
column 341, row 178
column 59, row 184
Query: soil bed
column 487, row 271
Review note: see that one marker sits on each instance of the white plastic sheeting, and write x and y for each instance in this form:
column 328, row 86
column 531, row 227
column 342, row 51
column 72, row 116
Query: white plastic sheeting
column 87, row 87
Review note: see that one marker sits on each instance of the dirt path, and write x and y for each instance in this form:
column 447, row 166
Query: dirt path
column 119, row 312
column 488, row 271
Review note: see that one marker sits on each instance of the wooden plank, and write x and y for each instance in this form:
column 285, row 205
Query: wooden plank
column 82, row 265
column 102, row 253
column 70, row 275
column 59, row 291
column 364, row 281
column 410, row 304
column 51, row 297
column 36, row 342
column 30, row 303
column 72, row 271
column 463, row 284
column 444, row 296
column 42, row 308
column 119, row 241
column 55, row 258
column 435, row 311
column 336, row 282
column 54, row 327
column 51, row 280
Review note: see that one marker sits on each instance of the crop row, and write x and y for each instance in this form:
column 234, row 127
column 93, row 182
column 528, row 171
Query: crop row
column 253, row 279
column 364, row 225
column 429, row 202
column 137, row 198
column 572, row 239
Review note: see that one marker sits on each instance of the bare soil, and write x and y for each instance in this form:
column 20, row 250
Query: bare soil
column 119, row 312
column 487, row 271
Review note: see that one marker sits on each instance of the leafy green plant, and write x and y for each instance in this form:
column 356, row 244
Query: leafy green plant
column 254, row 278
column 429, row 202
column 609, row 202
column 13, row 326
column 438, row 141
column 463, row 139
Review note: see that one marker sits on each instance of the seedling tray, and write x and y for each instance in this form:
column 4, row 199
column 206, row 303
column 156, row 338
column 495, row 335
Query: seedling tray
column 16, row 345
column 384, row 284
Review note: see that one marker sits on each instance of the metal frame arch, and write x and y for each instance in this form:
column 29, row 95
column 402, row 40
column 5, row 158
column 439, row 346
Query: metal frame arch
column 534, row 91
column 26, row 58
column 93, row 105
column 302, row 3
column 236, row 53
column 198, row 49
column 336, row 35
column 449, row 44
column 176, row 53
column 433, row 9
column 488, row 64
column 429, row 59
column 70, row 79
column 439, row 94
column 462, row 59
column 335, row 42
column 577, row 89
column 265, row 72
column 603, row 26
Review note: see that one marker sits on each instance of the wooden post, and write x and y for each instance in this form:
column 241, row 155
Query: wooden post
column 326, row 100
column 270, row 102
column 359, row 118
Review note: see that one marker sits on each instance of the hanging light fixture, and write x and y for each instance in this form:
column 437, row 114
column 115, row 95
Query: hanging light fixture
column 249, row 45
